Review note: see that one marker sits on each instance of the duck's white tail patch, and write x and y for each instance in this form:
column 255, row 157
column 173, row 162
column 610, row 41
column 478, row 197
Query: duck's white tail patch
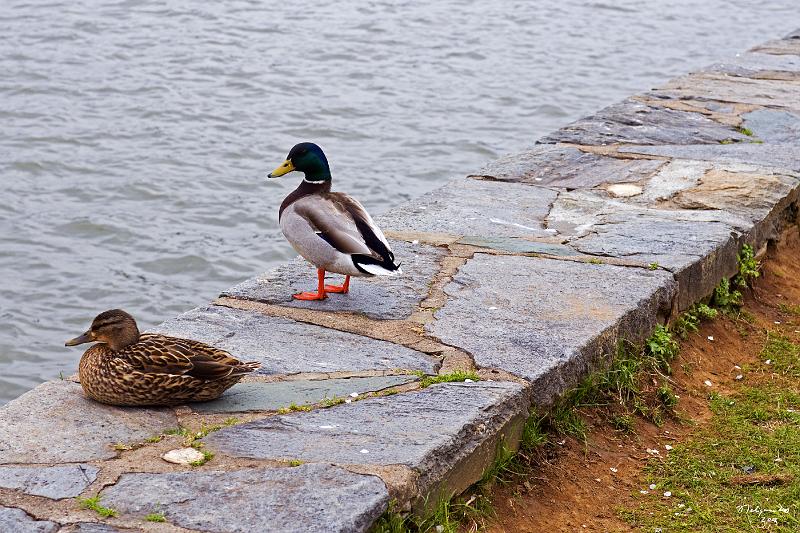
column 377, row 270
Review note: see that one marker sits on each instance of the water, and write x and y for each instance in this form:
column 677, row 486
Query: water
column 134, row 138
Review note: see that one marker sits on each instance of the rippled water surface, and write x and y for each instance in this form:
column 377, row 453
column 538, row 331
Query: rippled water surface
column 134, row 136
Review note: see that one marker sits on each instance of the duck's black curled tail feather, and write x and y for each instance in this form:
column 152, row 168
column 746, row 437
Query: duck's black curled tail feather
column 385, row 266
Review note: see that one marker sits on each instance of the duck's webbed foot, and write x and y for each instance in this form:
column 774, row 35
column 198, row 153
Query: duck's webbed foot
column 342, row 289
column 320, row 294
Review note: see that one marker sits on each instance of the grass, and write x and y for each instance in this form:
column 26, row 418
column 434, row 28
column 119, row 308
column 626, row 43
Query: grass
column 457, row 375
column 295, row 462
column 207, row 456
column 741, row 471
column 791, row 309
column 156, row 517
column 746, row 131
column 293, row 407
column 689, row 322
column 653, row 266
column 93, row 504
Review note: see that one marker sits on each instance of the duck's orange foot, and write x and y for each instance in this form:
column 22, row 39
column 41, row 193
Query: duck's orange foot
column 310, row 295
column 341, row 289
column 336, row 288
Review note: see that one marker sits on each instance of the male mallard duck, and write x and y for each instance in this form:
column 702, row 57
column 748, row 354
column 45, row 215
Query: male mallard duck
column 126, row 368
column 330, row 230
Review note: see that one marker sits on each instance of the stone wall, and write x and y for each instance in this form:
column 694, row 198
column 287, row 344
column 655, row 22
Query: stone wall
column 528, row 272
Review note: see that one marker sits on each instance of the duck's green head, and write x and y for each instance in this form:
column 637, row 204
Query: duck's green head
column 307, row 158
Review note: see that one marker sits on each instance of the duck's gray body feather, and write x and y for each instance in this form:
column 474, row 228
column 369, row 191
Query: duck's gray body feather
column 334, row 232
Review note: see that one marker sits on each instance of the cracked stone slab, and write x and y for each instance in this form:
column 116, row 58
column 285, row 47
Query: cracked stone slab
column 13, row 520
column 272, row 396
column 284, row 346
column 431, row 431
column 381, row 297
column 549, row 321
column 95, row 527
column 472, row 207
column 308, row 498
column 773, row 126
column 721, row 87
column 759, row 65
column 779, row 157
column 54, row 482
column 566, row 167
column 634, row 122
column 519, row 246
column 55, row 423
column 788, row 46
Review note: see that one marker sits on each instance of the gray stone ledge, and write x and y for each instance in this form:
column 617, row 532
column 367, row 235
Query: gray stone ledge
column 273, row 396
column 549, row 321
column 56, row 423
column 476, row 208
column 380, row 297
column 776, row 157
column 430, row 431
column 13, row 520
column 633, row 122
column 565, row 167
column 54, row 482
column 312, row 498
column 284, row 346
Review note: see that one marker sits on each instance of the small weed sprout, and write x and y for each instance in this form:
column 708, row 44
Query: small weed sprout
column 455, row 376
column 662, row 347
column 689, row 321
column 93, row 504
column 156, row 517
column 207, row 456
column 624, row 423
column 653, row 266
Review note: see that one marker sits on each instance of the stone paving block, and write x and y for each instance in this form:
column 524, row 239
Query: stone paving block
column 473, row 207
column 758, row 65
column 778, row 157
column 519, row 246
column 93, row 527
column 272, row 396
column 431, row 430
column 55, row 423
column 13, row 520
column 546, row 320
column 305, row 499
column 633, row 122
column 773, row 126
column 566, row 167
column 787, row 46
column 381, row 297
column 54, row 482
column 721, row 87
column 284, row 346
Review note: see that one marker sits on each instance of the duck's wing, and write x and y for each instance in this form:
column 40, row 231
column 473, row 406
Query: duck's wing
column 343, row 223
column 159, row 354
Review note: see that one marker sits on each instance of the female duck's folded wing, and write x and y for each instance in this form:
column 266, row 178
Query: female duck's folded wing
column 157, row 354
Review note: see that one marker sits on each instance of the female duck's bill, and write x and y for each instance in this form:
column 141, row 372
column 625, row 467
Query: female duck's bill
column 331, row 230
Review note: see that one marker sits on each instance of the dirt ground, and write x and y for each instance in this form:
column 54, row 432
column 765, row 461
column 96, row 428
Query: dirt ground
column 579, row 487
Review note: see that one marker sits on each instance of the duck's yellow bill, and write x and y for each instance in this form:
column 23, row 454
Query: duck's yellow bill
column 284, row 168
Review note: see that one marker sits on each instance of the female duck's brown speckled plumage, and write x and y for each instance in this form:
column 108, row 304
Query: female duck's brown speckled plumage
column 126, row 368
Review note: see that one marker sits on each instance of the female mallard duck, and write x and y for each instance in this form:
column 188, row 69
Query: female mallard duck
column 330, row 230
column 126, row 368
